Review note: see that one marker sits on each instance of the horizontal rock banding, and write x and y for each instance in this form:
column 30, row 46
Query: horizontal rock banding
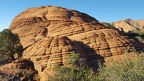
column 49, row 34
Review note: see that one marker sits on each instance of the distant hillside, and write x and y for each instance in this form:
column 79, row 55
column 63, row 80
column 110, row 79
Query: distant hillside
column 129, row 24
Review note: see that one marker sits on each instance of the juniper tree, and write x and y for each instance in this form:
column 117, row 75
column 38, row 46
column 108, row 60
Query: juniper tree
column 9, row 43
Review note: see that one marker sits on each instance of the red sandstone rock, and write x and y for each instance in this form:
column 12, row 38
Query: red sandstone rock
column 49, row 34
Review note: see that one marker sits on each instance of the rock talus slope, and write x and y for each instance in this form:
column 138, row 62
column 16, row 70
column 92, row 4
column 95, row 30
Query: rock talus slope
column 49, row 34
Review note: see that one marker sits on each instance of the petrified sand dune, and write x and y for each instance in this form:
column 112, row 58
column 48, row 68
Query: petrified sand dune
column 49, row 34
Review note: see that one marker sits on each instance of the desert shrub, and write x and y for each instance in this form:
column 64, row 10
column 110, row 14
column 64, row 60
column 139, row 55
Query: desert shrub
column 9, row 45
column 129, row 69
column 108, row 25
column 139, row 38
column 136, row 34
column 125, row 70
column 75, row 71
column 4, row 59
column 140, row 33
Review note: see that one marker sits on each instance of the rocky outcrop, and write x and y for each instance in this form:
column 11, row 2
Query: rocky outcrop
column 18, row 70
column 129, row 25
column 50, row 34
column 50, row 51
column 42, row 21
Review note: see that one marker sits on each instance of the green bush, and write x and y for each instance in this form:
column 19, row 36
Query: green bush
column 9, row 45
column 129, row 69
column 75, row 71
column 108, row 25
column 136, row 34
column 126, row 70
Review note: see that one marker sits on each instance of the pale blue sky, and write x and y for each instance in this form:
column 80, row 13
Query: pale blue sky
column 102, row 10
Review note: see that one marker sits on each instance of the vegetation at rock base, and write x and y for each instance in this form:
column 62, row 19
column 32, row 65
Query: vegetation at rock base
column 75, row 71
column 129, row 69
column 108, row 25
column 9, row 45
column 136, row 34
column 126, row 70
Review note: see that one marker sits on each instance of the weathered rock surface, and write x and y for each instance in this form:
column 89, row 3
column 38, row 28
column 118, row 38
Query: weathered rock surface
column 49, row 34
column 129, row 25
column 42, row 21
column 18, row 71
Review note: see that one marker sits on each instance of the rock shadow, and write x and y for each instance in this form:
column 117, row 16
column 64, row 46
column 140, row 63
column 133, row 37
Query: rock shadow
column 92, row 58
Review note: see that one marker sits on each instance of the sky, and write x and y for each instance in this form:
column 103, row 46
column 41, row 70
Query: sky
column 102, row 10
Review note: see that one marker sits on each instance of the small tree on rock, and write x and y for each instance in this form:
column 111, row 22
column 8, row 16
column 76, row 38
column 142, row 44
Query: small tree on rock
column 9, row 44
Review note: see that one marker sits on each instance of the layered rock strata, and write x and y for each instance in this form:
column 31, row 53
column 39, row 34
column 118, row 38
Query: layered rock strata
column 49, row 34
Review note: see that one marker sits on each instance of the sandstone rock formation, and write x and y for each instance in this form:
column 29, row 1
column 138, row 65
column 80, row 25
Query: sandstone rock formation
column 49, row 34
column 129, row 25
column 18, row 70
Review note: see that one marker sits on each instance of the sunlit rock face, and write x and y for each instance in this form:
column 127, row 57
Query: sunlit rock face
column 129, row 25
column 49, row 34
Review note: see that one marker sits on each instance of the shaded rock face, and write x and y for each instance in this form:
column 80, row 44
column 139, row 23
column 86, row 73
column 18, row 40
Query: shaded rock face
column 49, row 34
column 50, row 51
